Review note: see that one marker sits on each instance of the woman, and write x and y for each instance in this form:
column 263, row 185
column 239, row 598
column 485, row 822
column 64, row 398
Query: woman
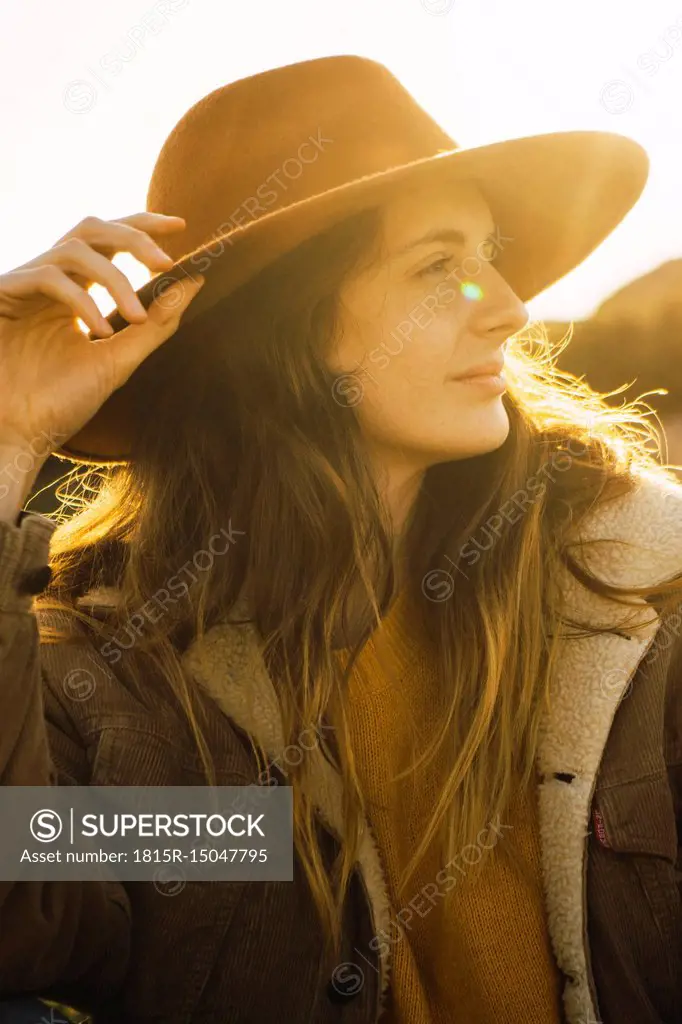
column 448, row 576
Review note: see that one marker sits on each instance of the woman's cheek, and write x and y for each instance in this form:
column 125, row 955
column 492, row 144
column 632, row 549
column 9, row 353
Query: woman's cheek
column 445, row 293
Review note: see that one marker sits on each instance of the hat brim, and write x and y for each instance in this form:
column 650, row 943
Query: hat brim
column 554, row 198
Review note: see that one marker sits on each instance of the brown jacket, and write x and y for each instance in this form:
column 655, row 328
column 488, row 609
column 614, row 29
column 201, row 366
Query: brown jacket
column 610, row 805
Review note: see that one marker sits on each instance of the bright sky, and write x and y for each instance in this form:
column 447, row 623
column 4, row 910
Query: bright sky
column 88, row 95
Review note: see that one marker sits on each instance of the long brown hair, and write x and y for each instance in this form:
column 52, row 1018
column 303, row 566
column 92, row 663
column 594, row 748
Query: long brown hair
column 248, row 433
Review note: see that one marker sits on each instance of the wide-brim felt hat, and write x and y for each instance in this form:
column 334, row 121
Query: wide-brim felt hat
column 260, row 165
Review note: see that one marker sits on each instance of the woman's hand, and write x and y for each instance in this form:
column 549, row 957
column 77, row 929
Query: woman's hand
column 53, row 379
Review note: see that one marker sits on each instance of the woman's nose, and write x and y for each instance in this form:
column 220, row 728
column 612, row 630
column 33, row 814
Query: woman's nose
column 501, row 313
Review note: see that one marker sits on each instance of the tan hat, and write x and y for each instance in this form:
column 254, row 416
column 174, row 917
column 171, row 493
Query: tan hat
column 260, row 165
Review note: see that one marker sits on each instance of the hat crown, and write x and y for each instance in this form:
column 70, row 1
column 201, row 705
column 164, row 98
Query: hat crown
column 262, row 143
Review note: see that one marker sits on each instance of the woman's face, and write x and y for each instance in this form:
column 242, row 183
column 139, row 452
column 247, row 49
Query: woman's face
column 432, row 311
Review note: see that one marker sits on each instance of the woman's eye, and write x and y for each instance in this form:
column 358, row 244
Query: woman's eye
column 435, row 268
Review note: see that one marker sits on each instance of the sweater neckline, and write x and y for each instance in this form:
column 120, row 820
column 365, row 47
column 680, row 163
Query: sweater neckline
column 388, row 621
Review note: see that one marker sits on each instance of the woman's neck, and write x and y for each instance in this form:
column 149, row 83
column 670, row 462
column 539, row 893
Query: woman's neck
column 398, row 478
column 398, row 481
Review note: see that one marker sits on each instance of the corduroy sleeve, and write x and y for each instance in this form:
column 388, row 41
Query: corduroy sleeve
column 673, row 728
column 70, row 937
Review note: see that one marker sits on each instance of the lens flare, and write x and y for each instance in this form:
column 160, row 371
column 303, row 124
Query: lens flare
column 471, row 291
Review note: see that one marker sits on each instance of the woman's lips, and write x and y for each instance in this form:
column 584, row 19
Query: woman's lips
column 488, row 381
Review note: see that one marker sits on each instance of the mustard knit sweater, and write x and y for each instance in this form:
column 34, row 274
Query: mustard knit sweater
column 490, row 960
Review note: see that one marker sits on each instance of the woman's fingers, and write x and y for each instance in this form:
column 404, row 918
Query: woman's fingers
column 76, row 256
column 154, row 223
column 48, row 280
column 133, row 234
column 84, row 252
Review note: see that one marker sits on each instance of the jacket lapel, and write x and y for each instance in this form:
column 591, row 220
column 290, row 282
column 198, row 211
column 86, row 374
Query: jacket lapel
column 230, row 667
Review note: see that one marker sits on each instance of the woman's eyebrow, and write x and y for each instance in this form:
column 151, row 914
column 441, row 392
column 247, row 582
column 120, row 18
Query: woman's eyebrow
column 452, row 235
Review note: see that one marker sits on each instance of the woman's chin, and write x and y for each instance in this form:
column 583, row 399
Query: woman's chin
column 482, row 433
column 475, row 434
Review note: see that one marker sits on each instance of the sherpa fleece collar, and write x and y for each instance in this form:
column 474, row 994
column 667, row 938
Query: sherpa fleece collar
column 591, row 677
